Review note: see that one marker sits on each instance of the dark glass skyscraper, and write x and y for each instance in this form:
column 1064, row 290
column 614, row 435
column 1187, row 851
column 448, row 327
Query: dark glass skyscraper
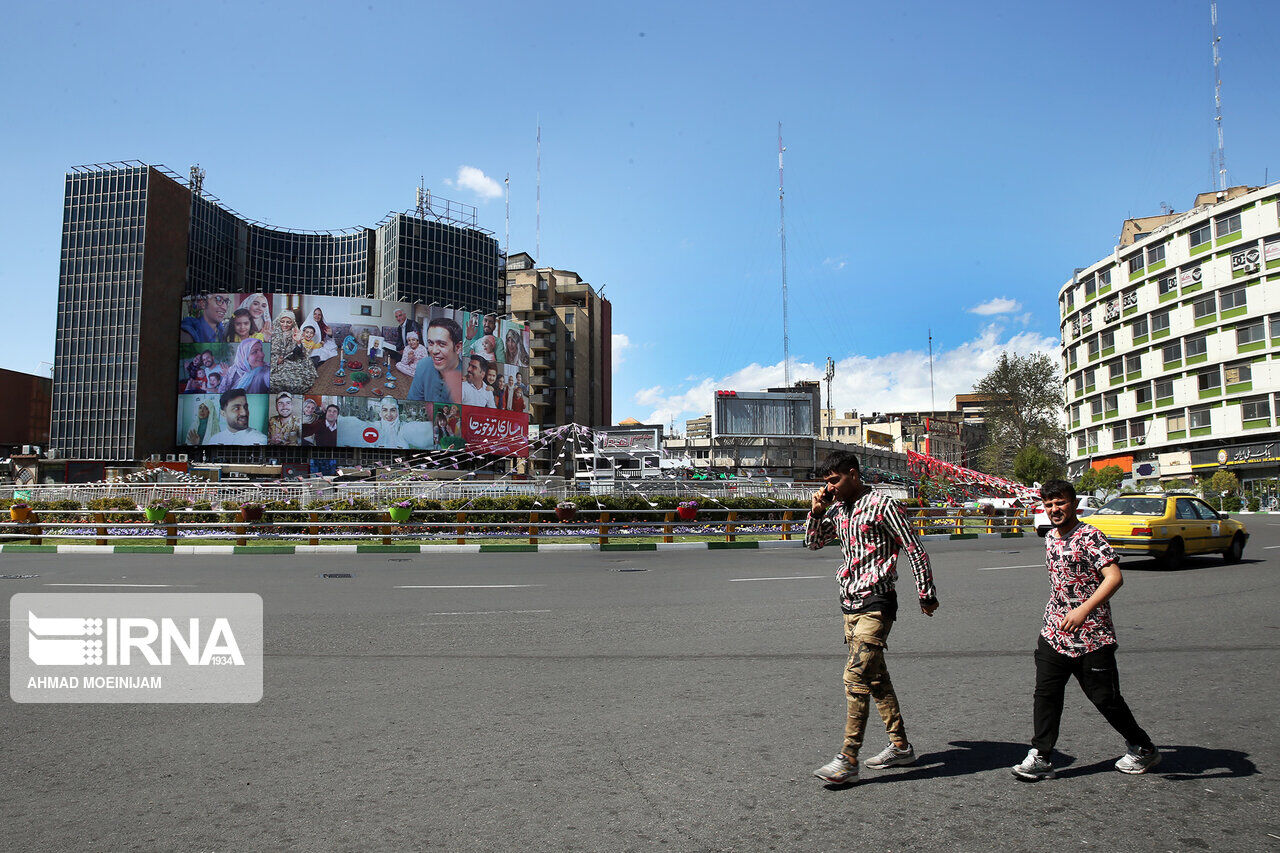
column 135, row 239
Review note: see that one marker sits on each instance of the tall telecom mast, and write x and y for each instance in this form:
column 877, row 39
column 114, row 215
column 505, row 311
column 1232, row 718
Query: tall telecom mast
column 1217, row 100
column 537, row 239
column 782, row 230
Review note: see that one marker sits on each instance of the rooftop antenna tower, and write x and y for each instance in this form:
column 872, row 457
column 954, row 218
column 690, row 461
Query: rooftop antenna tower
column 197, row 179
column 782, row 230
column 1217, row 99
column 831, row 374
column 424, row 198
column 506, row 242
column 933, row 404
column 537, row 238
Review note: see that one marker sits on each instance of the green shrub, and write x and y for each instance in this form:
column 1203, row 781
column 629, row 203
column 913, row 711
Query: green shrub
column 1255, row 503
column 118, row 503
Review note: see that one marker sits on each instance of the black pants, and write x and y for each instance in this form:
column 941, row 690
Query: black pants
column 1100, row 681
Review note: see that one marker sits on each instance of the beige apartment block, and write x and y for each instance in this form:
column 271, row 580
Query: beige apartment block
column 571, row 364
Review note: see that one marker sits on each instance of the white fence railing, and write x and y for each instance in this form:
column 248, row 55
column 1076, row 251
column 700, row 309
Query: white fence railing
column 394, row 490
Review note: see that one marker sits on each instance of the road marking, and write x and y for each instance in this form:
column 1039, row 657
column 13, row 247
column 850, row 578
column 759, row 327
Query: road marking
column 998, row 568
column 471, row 586
column 789, row 578
column 150, row 585
column 1269, row 547
column 481, row 612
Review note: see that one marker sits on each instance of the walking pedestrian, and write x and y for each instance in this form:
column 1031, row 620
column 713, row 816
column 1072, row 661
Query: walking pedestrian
column 871, row 529
column 1078, row 638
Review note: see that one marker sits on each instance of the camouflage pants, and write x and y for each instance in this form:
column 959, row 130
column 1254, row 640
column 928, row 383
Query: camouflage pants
column 867, row 678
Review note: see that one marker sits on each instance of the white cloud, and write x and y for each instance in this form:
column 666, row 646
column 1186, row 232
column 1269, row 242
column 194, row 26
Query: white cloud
column 621, row 343
column 836, row 263
column 999, row 305
column 473, row 179
column 892, row 382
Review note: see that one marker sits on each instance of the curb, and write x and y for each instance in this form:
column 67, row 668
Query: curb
column 478, row 548
column 487, row 548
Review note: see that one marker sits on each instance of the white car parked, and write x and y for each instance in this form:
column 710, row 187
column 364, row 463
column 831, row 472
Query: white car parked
column 1085, row 505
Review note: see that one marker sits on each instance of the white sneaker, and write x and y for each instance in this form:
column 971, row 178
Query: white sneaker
column 891, row 756
column 1138, row 760
column 1034, row 768
column 837, row 771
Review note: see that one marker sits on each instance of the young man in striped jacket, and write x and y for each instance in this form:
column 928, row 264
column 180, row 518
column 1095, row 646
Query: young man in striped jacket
column 871, row 529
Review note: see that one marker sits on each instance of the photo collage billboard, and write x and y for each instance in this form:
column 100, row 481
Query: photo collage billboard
column 327, row 371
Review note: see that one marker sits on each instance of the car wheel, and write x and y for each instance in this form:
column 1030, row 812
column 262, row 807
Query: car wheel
column 1172, row 558
column 1236, row 551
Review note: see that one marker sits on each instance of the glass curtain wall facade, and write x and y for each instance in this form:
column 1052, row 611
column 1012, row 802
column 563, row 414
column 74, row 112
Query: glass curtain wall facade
column 422, row 260
column 135, row 239
column 95, row 372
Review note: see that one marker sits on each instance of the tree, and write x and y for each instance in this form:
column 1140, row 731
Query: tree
column 1088, row 482
column 1109, row 479
column 1026, row 410
column 1032, row 465
column 1220, row 488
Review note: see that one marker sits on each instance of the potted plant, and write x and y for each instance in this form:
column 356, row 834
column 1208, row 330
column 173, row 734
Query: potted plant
column 20, row 512
column 400, row 511
column 687, row 510
column 566, row 510
column 156, row 511
column 251, row 512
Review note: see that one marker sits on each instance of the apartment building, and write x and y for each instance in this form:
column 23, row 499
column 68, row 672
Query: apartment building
column 572, row 358
column 1170, row 343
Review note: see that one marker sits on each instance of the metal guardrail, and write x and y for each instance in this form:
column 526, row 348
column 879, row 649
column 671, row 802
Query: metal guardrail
column 102, row 527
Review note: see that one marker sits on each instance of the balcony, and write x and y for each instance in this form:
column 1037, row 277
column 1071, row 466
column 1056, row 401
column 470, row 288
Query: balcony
column 540, row 362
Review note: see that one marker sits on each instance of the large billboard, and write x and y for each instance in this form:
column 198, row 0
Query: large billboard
column 763, row 414
column 325, row 371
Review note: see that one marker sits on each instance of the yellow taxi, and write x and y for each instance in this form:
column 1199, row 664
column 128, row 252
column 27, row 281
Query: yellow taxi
column 1169, row 527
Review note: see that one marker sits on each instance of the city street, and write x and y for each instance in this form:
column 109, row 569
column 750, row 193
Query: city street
column 675, row 700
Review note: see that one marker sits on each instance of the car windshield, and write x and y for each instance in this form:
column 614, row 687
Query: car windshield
column 1133, row 506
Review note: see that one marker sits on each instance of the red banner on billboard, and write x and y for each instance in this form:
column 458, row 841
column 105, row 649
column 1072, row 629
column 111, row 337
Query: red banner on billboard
column 495, row 431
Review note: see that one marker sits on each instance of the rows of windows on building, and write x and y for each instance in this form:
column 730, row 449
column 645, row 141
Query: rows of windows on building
column 1176, row 343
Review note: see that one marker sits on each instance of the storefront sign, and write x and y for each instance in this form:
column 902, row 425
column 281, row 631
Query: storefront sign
column 1245, row 454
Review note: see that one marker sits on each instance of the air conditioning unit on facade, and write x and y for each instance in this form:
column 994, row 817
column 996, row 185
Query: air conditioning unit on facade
column 182, row 457
column 169, row 457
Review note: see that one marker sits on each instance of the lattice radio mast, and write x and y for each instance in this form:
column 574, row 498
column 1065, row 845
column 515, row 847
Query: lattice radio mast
column 537, row 238
column 782, row 230
column 831, row 374
column 1217, row 99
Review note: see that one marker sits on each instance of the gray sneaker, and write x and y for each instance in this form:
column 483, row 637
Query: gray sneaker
column 1138, row 760
column 838, row 770
column 891, row 756
column 1034, row 768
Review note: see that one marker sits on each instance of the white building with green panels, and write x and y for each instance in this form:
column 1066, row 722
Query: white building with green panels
column 1171, row 345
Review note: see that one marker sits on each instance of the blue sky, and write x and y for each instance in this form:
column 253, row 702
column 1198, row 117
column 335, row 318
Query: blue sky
column 941, row 157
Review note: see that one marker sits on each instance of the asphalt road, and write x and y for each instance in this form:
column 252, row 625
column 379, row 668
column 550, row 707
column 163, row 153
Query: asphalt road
column 670, row 700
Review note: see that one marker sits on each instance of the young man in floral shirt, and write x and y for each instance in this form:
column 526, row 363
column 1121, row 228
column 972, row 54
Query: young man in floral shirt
column 1078, row 637
column 871, row 529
